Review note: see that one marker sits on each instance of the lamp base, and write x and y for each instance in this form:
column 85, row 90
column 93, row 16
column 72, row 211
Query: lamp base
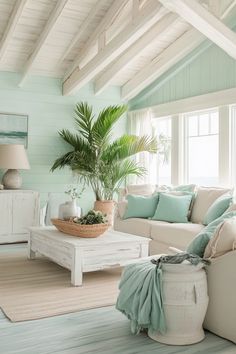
column 12, row 179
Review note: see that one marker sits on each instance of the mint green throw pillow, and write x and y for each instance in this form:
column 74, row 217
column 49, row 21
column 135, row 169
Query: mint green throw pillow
column 140, row 206
column 198, row 244
column 185, row 188
column 173, row 208
column 217, row 208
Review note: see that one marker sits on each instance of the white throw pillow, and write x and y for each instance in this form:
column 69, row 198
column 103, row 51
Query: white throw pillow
column 223, row 240
column 205, row 197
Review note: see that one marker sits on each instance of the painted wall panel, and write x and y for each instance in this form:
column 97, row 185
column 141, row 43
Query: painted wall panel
column 207, row 69
column 49, row 112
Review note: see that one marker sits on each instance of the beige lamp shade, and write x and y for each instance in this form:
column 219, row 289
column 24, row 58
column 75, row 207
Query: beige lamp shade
column 13, row 157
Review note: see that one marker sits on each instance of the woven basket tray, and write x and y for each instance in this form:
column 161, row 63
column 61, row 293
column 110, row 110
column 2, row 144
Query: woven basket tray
column 73, row 229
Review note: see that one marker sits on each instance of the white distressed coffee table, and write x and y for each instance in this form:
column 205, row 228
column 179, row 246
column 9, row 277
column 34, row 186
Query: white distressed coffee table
column 80, row 255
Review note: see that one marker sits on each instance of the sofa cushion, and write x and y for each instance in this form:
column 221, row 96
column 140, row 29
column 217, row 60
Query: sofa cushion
column 179, row 188
column 173, row 208
column 136, row 226
column 136, row 189
column 199, row 243
column 140, row 206
column 204, row 199
column 140, row 189
column 174, row 234
column 223, row 240
column 121, row 208
column 217, row 208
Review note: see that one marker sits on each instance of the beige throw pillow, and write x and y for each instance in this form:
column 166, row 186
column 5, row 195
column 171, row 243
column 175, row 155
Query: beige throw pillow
column 205, row 197
column 223, row 240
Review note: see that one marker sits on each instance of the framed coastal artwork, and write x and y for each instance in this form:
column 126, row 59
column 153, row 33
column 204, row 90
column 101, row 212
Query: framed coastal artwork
column 14, row 129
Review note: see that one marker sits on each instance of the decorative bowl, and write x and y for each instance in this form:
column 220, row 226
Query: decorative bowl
column 74, row 229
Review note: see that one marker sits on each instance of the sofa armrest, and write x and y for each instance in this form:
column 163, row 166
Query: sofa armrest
column 221, row 313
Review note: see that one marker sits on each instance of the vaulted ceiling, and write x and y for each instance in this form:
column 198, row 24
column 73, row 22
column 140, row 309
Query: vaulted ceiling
column 129, row 43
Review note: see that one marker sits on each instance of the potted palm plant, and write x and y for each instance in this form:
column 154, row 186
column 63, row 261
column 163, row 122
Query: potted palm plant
column 100, row 161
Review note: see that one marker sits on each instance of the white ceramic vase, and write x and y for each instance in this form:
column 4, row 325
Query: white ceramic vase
column 185, row 302
column 69, row 210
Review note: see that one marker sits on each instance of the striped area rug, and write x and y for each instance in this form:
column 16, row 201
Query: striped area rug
column 33, row 289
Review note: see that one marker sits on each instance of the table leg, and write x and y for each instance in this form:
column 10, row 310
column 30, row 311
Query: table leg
column 31, row 253
column 76, row 269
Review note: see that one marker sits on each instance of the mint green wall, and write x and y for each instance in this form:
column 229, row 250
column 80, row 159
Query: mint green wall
column 206, row 69
column 49, row 112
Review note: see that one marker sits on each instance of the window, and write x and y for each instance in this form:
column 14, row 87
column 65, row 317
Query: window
column 161, row 165
column 202, row 147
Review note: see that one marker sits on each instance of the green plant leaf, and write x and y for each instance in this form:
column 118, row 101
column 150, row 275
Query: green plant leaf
column 105, row 122
column 129, row 145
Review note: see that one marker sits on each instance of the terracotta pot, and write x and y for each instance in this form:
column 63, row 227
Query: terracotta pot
column 106, row 207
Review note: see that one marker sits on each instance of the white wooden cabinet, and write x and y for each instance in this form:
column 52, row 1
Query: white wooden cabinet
column 19, row 209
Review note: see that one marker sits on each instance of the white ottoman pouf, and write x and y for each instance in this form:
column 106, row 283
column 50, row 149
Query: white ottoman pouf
column 185, row 301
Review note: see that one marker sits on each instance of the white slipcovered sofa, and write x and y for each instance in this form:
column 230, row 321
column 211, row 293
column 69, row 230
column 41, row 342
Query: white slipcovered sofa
column 221, row 314
column 165, row 234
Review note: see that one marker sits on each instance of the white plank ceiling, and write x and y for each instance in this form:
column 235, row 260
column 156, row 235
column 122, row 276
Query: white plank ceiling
column 80, row 41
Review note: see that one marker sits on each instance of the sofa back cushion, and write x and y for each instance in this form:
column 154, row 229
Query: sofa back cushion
column 223, row 240
column 136, row 189
column 140, row 189
column 205, row 197
column 180, row 188
column 121, row 208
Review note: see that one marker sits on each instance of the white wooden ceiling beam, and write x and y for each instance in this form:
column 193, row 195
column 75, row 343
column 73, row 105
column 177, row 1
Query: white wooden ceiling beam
column 131, row 33
column 83, row 28
column 172, row 54
column 228, row 9
column 133, row 52
column 165, row 60
column 215, row 7
column 102, row 27
column 135, row 8
column 101, row 41
column 56, row 13
column 13, row 20
column 205, row 22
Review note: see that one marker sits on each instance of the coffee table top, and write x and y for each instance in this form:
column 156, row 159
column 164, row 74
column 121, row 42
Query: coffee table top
column 109, row 237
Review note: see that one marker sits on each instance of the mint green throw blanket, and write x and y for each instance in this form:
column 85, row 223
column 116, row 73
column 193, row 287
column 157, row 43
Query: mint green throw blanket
column 140, row 297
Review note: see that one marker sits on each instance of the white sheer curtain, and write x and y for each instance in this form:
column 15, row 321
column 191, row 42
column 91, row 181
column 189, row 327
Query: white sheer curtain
column 140, row 123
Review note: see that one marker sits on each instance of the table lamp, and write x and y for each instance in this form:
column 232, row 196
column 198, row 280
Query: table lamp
column 14, row 158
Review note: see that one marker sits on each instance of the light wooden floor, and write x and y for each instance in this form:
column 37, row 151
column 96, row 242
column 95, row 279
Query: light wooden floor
column 100, row 331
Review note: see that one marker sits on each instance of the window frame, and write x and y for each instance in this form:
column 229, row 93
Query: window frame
column 227, row 144
column 185, row 160
column 155, row 120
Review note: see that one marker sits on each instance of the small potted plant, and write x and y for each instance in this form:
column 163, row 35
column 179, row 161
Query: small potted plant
column 71, row 209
